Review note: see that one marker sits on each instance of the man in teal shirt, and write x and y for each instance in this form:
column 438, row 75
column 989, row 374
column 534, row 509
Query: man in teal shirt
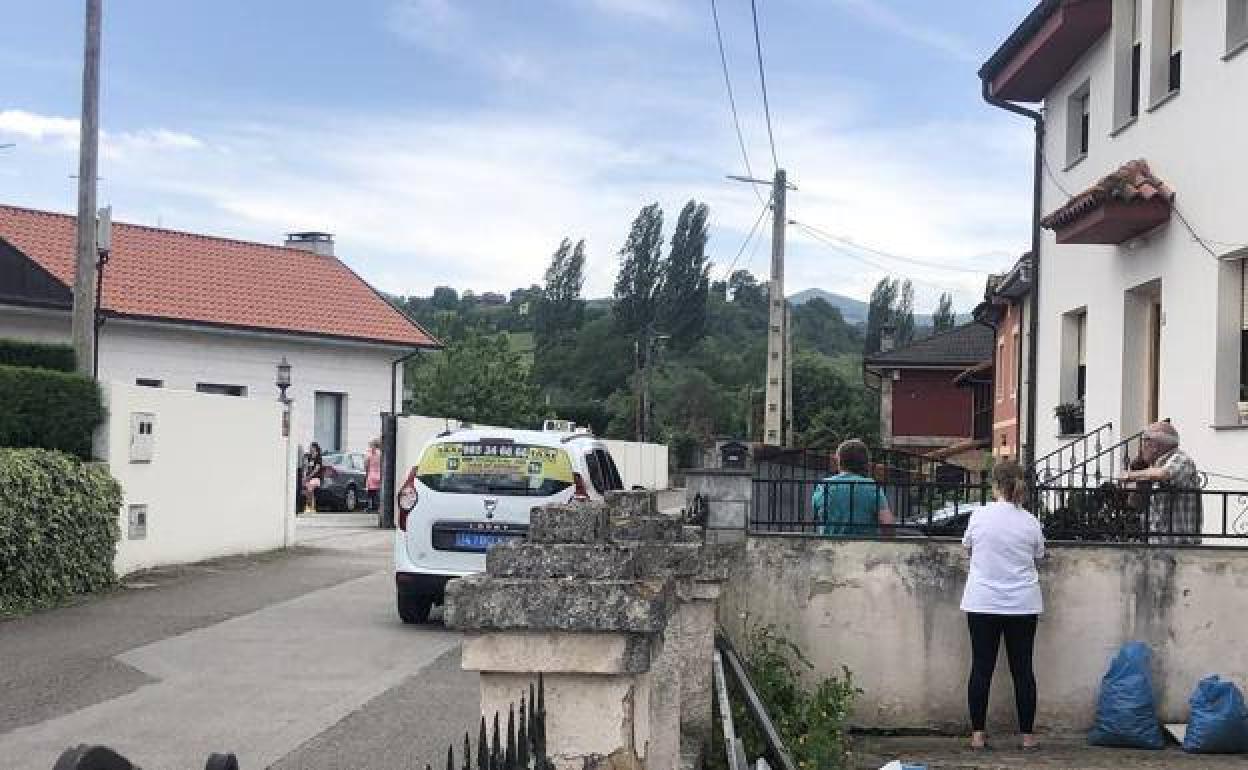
column 850, row 503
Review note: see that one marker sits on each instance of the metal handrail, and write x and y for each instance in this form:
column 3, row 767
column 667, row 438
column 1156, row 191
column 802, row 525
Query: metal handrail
column 754, row 704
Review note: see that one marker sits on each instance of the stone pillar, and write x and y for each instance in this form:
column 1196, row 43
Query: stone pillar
column 728, row 497
column 614, row 606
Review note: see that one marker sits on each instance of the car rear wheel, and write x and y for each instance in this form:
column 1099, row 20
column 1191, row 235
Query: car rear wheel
column 415, row 610
column 350, row 500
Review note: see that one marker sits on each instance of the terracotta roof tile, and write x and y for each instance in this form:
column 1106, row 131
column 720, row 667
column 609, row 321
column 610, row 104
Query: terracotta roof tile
column 154, row 273
column 1133, row 181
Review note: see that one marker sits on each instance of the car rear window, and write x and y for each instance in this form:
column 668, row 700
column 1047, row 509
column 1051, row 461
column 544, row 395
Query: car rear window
column 495, row 468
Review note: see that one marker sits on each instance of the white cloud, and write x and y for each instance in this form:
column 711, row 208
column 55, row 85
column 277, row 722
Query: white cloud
column 877, row 13
column 426, row 22
column 478, row 199
column 28, row 125
column 665, row 11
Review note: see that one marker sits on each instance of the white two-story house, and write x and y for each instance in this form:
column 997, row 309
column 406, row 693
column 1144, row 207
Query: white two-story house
column 1142, row 294
column 216, row 315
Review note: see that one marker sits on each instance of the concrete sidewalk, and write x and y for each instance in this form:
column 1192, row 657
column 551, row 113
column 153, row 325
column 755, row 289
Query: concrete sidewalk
column 264, row 656
column 1067, row 751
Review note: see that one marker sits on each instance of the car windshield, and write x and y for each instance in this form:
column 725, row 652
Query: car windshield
column 495, row 467
column 334, row 459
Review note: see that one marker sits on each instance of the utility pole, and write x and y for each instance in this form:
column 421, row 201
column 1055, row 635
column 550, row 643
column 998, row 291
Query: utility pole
column 85, row 275
column 773, row 417
column 788, row 375
column 775, row 390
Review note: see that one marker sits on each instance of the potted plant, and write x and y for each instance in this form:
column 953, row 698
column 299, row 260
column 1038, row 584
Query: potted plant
column 1070, row 418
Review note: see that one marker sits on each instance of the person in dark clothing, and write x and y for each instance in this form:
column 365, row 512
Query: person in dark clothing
column 313, row 470
column 1002, row 598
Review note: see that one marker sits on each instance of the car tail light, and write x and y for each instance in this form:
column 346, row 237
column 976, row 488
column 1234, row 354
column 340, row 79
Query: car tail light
column 408, row 497
column 582, row 492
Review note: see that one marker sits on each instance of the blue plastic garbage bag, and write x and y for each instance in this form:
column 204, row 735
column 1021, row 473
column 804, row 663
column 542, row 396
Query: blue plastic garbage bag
column 1219, row 720
column 1126, row 714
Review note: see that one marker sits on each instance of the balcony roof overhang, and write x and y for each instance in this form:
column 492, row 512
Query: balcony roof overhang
column 1044, row 48
column 1125, row 204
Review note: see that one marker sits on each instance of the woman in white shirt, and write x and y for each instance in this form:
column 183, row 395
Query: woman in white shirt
column 1002, row 598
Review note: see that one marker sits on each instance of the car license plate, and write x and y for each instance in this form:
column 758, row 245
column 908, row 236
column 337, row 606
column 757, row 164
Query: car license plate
column 473, row 541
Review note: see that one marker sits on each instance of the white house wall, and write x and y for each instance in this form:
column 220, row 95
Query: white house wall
column 1196, row 143
column 183, row 358
column 218, row 481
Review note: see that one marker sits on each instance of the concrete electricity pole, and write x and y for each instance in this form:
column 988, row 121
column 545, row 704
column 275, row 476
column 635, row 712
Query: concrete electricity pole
column 773, row 417
column 86, row 275
column 776, row 389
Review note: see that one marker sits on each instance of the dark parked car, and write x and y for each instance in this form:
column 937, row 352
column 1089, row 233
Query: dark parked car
column 342, row 486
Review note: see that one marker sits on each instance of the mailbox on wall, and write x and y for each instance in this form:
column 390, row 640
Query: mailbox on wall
column 142, row 436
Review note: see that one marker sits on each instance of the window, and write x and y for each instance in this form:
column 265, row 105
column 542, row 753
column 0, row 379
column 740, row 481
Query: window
column 1243, row 341
column 221, row 390
column 1127, row 52
column 328, row 420
column 1018, row 357
column 1176, row 43
column 1074, row 377
column 1001, row 369
column 1166, row 50
column 1236, row 24
column 146, row 383
column 1078, row 124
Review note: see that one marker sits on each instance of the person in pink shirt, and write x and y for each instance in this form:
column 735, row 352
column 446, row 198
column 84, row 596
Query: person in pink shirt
column 372, row 475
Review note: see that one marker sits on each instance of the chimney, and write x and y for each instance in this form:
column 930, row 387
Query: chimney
column 317, row 243
column 888, row 337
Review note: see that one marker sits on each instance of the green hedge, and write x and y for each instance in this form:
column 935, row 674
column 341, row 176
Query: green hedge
column 37, row 355
column 58, row 528
column 48, row 410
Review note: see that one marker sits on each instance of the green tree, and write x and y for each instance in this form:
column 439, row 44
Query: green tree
column 944, row 318
column 903, row 318
column 477, row 379
column 559, row 314
column 830, row 402
column 686, row 279
column 881, row 311
column 819, row 326
column 639, row 284
column 445, row 298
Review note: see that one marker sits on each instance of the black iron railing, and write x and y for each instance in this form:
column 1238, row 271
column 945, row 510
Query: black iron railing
column 1111, row 512
column 521, row 747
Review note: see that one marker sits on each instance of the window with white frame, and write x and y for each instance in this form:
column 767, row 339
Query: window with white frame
column 1236, row 24
column 1078, row 123
column 1127, row 25
column 1001, row 369
column 1074, row 360
column 1018, row 358
column 1166, row 51
column 1243, row 340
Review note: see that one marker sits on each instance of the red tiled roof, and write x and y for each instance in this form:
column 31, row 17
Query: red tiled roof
column 1133, row 182
column 163, row 274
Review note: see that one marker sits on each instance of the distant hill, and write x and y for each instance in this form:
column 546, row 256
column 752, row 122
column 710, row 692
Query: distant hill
column 855, row 310
column 852, row 310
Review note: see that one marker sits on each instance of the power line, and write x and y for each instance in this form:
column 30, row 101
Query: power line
column 845, row 252
column 762, row 80
column 1188, row 225
column 748, row 238
column 898, row 257
column 732, row 101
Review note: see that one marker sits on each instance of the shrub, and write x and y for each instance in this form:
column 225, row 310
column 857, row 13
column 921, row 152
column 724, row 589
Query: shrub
column 37, row 355
column 58, row 528
column 813, row 723
column 48, row 410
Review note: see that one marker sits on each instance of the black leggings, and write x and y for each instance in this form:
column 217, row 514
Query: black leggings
column 1020, row 638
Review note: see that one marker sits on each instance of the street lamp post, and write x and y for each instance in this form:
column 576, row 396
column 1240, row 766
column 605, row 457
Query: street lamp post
column 283, row 382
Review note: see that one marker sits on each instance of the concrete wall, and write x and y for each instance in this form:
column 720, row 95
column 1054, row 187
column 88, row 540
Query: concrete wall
column 889, row 611
column 218, row 482
column 1193, row 141
column 184, row 357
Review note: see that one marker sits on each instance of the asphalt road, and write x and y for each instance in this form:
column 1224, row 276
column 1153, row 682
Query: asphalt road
column 290, row 660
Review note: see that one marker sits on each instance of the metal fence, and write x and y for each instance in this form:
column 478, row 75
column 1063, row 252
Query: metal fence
column 1110, row 513
column 521, row 747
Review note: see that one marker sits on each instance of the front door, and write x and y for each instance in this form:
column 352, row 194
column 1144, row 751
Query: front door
column 1154, row 358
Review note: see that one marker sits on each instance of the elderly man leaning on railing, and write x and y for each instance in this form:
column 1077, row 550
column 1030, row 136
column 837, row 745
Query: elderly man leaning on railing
column 1174, row 510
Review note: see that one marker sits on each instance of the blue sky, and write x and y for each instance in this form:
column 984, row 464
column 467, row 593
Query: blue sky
column 456, row 141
